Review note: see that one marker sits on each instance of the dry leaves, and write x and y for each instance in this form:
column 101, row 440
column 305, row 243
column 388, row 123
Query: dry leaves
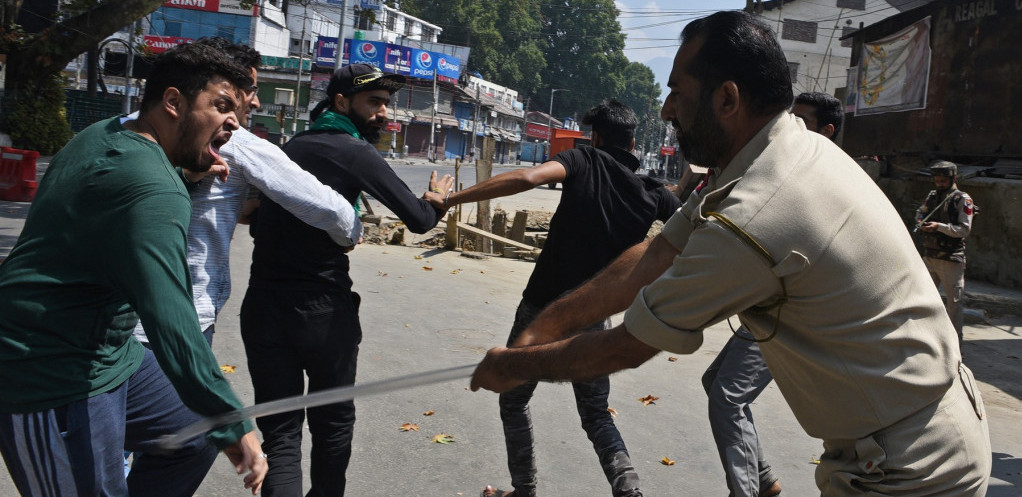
column 667, row 461
column 409, row 427
column 429, row 413
column 649, row 399
column 380, row 273
column 418, row 257
column 455, row 271
column 443, row 438
column 612, row 411
column 813, row 460
column 427, row 268
column 672, row 359
column 227, row 368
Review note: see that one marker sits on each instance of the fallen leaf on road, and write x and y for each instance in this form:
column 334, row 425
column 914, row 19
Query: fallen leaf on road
column 227, row 368
column 813, row 460
column 427, row 268
column 666, row 461
column 409, row 427
column 649, row 399
column 672, row 359
column 381, row 273
column 612, row 411
column 455, row 271
column 428, row 413
column 418, row 257
column 443, row 438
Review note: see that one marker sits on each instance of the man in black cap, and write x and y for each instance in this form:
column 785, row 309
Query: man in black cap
column 945, row 218
column 300, row 316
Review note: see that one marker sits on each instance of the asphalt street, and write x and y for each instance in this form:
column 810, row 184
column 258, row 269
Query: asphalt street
column 425, row 309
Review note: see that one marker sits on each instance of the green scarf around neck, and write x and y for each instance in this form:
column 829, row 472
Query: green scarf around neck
column 332, row 120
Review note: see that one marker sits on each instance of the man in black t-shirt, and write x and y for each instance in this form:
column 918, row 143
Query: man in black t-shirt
column 605, row 208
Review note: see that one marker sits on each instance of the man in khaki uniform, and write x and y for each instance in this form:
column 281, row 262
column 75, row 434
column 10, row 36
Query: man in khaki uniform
column 790, row 234
column 945, row 219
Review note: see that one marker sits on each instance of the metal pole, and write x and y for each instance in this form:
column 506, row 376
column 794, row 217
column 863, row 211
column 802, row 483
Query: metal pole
column 432, row 123
column 298, row 81
column 550, row 122
column 340, row 34
column 475, row 150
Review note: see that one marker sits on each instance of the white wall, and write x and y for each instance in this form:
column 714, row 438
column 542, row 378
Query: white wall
column 823, row 65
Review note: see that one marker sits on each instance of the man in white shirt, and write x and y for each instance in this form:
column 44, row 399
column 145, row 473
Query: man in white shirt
column 217, row 204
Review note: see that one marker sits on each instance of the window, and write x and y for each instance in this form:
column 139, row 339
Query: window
column 172, row 28
column 793, row 72
column 298, row 46
column 845, row 31
column 363, row 21
column 427, row 33
column 409, row 25
column 226, row 32
column 799, row 31
column 852, row 4
column 391, row 21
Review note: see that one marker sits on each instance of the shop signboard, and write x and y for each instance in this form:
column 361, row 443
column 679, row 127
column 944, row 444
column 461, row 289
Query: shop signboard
column 326, row 51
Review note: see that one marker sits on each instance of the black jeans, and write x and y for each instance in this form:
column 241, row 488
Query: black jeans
column 288, row 335
column 591, row 402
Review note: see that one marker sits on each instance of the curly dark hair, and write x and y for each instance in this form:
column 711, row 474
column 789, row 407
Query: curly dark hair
column 189, row 68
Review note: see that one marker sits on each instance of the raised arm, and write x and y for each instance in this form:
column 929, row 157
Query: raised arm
column 505, row 184
column 271, row 171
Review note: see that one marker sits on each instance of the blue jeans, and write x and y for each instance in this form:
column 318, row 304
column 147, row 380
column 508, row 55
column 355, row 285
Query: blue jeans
column 78, row 448
column 591, row 402
column 733, row 381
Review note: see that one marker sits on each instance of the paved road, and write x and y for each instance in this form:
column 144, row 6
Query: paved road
column 416, row 320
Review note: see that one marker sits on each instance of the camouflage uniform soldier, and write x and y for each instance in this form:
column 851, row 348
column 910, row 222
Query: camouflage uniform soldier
column 945, row 218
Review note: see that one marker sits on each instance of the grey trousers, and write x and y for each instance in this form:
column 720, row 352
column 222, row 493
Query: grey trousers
column 733, row 381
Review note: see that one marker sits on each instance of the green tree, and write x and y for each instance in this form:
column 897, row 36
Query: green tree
column 35, row 58
column 504, row 36
column 585, row 54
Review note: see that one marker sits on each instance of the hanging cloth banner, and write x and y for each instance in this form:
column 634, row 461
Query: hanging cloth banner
column 894, row 72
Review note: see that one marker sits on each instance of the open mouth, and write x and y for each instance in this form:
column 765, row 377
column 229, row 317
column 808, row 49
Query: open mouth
column 219, row 141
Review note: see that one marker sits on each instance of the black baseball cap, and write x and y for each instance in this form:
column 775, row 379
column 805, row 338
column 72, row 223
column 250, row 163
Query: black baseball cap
column 354, row 78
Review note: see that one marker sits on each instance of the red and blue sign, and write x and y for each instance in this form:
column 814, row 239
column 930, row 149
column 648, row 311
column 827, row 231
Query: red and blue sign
column 394, row 59
column 326, row 51
column 368, row 52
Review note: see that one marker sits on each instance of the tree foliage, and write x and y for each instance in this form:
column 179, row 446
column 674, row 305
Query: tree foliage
column 38, row 43
column 534, row 46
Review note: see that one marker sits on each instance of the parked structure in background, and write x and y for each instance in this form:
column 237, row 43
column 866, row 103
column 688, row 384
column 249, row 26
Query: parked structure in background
column 811, row 31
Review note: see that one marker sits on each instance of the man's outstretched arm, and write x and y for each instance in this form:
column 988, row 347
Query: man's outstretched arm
column 609, row 292
column 581, row 357
column 509, row 183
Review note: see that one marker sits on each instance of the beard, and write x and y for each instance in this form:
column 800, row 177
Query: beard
column 706, row 141
column 369, row 132
column 184, row 158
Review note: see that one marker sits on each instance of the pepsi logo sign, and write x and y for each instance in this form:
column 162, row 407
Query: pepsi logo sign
column 425, row 60
column 367, row 51
column 447, row 66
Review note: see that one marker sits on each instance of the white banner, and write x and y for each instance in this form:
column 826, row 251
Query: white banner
column 894, row 71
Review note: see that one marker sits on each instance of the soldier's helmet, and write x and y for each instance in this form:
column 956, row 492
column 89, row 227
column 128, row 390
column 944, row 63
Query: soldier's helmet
column 944, row 168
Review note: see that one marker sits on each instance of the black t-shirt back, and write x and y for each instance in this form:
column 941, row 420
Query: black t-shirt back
column 605, row 208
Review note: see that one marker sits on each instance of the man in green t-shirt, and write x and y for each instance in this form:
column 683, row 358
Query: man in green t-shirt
column 104, row 246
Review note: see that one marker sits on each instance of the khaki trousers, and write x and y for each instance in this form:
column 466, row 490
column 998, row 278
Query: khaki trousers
column 942, row 450
column 950, row 276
